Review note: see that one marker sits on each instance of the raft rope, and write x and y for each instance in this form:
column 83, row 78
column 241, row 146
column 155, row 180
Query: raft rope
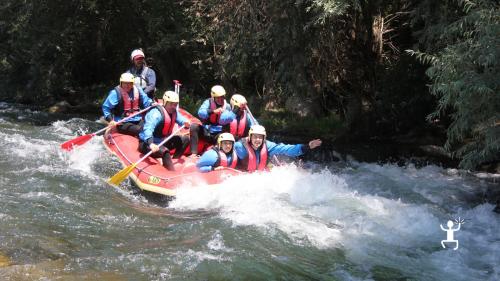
column 142, row 170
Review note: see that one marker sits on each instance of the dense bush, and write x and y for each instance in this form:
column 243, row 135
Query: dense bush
column 463, row 51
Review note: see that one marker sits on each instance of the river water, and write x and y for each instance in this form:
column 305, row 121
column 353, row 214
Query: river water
column 59, row 220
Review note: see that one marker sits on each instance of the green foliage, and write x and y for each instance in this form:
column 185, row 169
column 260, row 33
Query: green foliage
column 190, row 103
column 56, row 49
column 285, row 122
column 464, row 77
column 336, row 61
column 262, row 46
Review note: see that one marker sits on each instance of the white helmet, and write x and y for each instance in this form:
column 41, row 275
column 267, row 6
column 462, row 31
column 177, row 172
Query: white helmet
column 170, row 96
column 238, row 100
column 257, row 130
column 127, row 77
column 136, row 53
column 217, row 91
column 224, row 137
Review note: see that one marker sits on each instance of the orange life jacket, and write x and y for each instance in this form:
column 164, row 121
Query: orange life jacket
column 165, row 129
column 237, row 128
column 252, row 158
column 130, row 105
column 214, row 117
column 223, row 158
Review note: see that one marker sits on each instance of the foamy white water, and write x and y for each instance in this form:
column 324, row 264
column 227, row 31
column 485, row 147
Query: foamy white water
column 379, row 215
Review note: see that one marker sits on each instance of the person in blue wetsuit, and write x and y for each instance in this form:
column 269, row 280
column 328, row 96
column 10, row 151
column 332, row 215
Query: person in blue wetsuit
column 241, row 120
column 214, row 113
column 255, row 151
column 159, row 123
column 220, row 156
column 144, row 76
column 124, row 100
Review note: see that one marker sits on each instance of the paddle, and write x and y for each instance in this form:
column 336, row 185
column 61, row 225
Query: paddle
column 177, row 85
column 177, row 88
column 123, row 174
column 85, row 138
column 251, row 115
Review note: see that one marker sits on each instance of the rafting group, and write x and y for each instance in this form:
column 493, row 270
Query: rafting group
column 233, row 137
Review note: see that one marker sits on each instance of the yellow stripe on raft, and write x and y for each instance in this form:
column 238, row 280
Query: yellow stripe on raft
column 151, row 188
column 140, row 184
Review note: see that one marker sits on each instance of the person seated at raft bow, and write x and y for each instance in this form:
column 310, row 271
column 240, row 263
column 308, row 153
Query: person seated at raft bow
column 159, row 123
column 124, row 100
column 214, row 113
column 255, row 151
column 145, row 77
column 241, row 121
column 222, row 155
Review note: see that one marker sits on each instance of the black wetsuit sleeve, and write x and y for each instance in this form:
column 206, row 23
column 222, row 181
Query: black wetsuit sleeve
column 305, row 148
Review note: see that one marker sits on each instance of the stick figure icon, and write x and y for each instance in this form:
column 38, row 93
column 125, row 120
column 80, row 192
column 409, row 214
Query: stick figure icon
column 449, row 234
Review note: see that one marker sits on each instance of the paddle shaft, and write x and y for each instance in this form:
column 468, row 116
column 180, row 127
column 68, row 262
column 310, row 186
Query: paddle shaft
column 160, row 144
column 251, row 115
column 177, row 85
column 125, row 119
column 68, row 145
column 121, row 175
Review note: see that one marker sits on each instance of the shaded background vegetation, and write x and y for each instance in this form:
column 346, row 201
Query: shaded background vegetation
column 362, row 70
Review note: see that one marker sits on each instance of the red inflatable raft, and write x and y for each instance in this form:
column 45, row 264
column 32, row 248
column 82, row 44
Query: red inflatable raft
column 150, row 175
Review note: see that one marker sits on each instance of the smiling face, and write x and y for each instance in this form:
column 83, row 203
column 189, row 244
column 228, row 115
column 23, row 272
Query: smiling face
column 170, row 107
column 219, row 100
column 126, row 86
column 226, row 146
column 256, row 140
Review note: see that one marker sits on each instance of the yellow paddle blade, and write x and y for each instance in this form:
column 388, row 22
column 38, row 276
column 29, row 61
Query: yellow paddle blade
column 121, row 175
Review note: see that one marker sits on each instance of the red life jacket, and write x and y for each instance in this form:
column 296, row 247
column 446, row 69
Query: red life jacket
column 168, row 123
column 129, row 105
column 252, row 158
column 223, row 158
column 237, row 128
column 214, row 117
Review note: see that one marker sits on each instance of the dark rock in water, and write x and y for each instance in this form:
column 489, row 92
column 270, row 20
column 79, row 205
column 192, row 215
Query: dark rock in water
column 65, row 107
column 435, row 151
column 493, row 167
column 492, row 194
column 60, row 107
column 87, row 108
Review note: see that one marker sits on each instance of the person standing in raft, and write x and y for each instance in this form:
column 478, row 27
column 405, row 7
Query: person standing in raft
column 255, row 151
column 124, row 100
column 145, row 77
column 241, row 120
column 159, row 124
column 220, row 156
column 214, row 113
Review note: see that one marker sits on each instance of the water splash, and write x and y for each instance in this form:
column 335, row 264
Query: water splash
column 349, row 211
